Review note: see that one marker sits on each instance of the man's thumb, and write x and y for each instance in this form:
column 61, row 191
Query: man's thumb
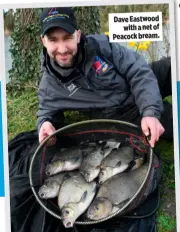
column 50, row 129
column 144, row 127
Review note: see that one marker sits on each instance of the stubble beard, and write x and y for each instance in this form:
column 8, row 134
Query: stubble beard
column 66, row 65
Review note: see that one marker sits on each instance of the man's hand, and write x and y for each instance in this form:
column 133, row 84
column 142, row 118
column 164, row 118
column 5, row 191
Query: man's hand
column 46, row 130
column 153, row 126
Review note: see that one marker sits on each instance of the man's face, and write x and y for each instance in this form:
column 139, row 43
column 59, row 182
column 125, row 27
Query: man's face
column 62, row 46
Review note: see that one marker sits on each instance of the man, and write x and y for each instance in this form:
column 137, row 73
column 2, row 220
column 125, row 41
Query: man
column 95, row 77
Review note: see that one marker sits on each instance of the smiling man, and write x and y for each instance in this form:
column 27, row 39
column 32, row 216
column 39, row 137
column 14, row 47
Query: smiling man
column 62, row 46
column 98, row 78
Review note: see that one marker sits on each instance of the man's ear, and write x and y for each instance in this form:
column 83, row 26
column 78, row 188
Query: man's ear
column 43, row 40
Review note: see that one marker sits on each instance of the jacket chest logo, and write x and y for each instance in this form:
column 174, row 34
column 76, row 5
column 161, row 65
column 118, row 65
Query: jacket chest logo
column 99, row 65
column 72, row 88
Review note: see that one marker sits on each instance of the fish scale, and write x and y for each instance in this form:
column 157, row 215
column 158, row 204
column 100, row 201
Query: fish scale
column 65, row 160
column 51, row 186
column 114, row 192
column 74, row 198
column 118, row 161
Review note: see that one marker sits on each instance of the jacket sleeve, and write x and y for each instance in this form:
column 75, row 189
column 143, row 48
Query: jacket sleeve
column 142, row 81
column 47, row 111
column 43, row 114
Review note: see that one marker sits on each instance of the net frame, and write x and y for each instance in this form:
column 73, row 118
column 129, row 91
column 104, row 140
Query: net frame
column 73, row 128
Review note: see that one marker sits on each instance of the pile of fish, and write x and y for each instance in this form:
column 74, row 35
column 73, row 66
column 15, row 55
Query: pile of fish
column 94, row 180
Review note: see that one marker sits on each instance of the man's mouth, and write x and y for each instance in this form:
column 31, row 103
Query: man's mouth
column 62, row 57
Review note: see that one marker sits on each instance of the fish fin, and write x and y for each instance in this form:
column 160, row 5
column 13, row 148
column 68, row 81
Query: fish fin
column 131, row 165
column 106, row 151
column 83, row 197
column 118, row 164
column 113, row 143
column 101, row 144
column 105, row 148
column 75, row 159
column 118, row 145
column 138, row 163
column 119, row 206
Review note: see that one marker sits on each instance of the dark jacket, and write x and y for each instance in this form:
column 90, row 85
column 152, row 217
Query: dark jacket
column 110, row 77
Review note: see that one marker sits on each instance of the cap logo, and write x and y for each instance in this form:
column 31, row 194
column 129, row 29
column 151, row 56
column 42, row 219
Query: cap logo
column 58, row 17
column 55, row 16
column 53, row 11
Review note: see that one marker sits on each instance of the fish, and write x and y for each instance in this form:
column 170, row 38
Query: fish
column 67, row 159
column 88, row 147
column 74, row 198
column 114, row 193
column 118, row 161
column 90, row 166
column 111, row 144
column 51, row 186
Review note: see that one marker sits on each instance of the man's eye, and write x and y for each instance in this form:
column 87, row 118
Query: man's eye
column 52, row 40
column 67, row 38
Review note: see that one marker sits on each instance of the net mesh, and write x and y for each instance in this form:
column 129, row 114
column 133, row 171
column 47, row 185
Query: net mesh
column 88, row 132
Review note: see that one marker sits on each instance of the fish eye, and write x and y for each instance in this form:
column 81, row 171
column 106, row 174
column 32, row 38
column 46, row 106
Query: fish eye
column 42, row 195
column 97, row 207
column 48, row 173
column 102, row 173
column 66, row 212
column 47, row 182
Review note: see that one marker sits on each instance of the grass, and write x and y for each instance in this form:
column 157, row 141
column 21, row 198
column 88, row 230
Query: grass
column 166, row 223
column 166, row 215
column 22, row 117
column 21, row 113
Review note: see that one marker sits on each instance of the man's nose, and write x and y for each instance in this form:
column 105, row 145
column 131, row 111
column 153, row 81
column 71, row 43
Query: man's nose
column 61, row 47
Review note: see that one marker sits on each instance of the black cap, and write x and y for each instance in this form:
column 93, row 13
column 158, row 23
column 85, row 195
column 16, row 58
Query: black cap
column 62, row 17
